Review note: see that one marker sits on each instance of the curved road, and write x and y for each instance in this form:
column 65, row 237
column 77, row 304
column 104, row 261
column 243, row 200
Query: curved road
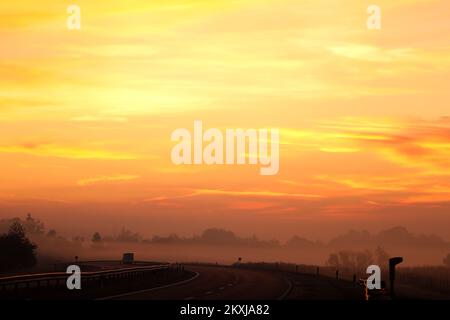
column 217, row 283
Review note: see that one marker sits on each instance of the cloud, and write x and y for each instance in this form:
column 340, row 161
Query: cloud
column 409, row 143
column 261, row 193
column 52, row 150
column 372, row 53
column 251, row 205
column 112, row 178
column 94, row 118
column 339, row 149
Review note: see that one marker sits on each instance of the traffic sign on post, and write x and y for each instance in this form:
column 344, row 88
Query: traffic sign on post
column 392, row 263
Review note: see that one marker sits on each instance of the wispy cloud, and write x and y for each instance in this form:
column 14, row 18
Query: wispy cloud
column 413, row 143
column 111, row 178
column 372, row 53
column 68, row 152
column 260, row 193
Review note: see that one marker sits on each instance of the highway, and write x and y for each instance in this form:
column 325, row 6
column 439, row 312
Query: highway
column 219, row 283
column 226, row 283
column 107, row 280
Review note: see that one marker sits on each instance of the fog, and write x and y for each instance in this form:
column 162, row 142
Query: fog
column 217, row 245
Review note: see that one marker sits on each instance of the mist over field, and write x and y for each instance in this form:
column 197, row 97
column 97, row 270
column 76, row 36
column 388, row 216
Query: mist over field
column 216, row 245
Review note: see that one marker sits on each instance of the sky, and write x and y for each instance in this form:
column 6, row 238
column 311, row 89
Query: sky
column 364, row 117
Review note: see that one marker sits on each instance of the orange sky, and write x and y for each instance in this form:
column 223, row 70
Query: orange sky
column 86, row 115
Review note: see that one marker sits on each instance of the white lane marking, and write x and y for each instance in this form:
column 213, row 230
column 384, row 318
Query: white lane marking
column 151, row 289
column 221, row 288
column 230, row 284
column 189, row 298
column 208, row 292
column 288, row 290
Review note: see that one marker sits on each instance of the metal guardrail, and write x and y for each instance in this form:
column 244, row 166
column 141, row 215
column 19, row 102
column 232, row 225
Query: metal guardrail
column 60, row 278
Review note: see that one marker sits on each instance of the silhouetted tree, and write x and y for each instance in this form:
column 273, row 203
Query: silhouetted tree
column 382, row 257
column 16, row 250
column 51, row 233
column 218, row 236
column 447, row 260
column 96, row 237
column 128, row 236
column 78, row 239
column 350, row 260
column 363, row 260
column 333, row 260
column 33, row 226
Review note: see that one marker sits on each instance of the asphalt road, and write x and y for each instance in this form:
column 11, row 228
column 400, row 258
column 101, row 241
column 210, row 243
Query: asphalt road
column 220, row 283
column 227, row 283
